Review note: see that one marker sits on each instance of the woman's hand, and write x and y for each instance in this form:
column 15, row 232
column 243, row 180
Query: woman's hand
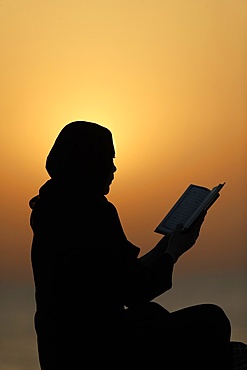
column 181, row 241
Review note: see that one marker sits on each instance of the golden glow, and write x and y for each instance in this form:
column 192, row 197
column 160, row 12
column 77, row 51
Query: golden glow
column 169, row 80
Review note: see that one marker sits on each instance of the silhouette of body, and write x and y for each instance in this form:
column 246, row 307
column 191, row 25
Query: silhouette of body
column 94, row 294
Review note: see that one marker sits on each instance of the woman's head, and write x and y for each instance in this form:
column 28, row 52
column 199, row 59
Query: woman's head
column 82, row 154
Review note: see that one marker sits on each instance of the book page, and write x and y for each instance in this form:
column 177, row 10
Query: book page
column 206, row 204
column 184, row 207
column 189, row 206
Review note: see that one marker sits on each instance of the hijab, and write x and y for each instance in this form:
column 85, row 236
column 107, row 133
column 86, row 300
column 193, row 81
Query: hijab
column 82, row 155
column 79, row 161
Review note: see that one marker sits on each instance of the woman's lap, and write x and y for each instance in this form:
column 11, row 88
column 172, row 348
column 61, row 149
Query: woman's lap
column 197, row 336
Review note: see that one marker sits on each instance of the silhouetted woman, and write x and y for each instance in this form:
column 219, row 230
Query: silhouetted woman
column 94, row 294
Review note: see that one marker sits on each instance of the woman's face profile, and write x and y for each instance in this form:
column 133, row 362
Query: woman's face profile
column 109, row 179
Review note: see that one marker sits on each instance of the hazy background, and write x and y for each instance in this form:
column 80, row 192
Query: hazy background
column 169, row 79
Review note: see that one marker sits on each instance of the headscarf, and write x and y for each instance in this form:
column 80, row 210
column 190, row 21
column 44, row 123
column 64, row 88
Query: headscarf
column 82, row 155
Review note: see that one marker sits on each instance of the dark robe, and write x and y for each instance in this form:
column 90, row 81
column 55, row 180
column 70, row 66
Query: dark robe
column 88, row 277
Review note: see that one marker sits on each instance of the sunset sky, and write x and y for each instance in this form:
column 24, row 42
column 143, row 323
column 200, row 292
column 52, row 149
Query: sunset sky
column 167, row 77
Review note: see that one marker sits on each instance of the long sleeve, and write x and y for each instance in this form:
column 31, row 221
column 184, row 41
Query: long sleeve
column 140, row 279
column 151, row 276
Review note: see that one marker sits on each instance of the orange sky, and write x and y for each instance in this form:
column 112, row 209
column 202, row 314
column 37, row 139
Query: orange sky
column 169, row 78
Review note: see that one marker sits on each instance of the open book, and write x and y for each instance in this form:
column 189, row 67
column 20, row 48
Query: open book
column 189, row 206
